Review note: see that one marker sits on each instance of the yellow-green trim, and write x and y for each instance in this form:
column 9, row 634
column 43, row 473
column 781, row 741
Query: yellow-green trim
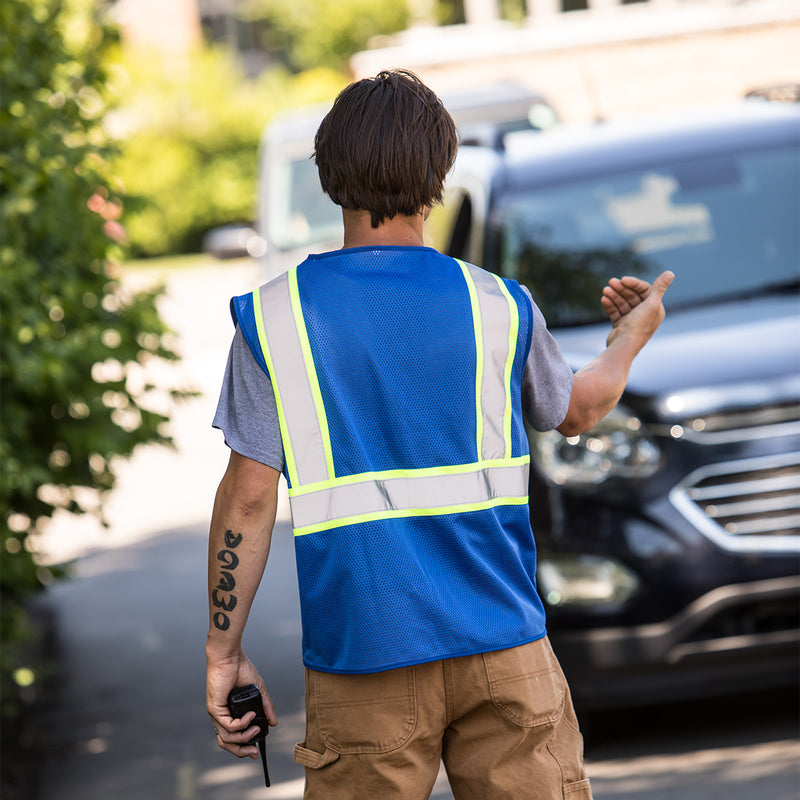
column 513, row 332
column 478, row 328
column 427, row 472
column 408, row 513
column 311, row 371
column 291, row 464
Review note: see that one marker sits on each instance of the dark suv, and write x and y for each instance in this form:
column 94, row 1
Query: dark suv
column 669, row 534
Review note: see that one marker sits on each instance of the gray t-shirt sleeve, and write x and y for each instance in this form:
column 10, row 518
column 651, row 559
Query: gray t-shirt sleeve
column 246, row 412
column 547, row 380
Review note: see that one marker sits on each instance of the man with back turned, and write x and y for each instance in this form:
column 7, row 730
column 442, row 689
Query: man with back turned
column 389, row 383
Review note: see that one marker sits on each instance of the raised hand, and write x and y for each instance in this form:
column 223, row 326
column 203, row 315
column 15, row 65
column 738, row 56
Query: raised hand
column 635, row 307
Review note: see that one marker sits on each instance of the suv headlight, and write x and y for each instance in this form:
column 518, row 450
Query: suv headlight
column 584, row 580
column 615, row 448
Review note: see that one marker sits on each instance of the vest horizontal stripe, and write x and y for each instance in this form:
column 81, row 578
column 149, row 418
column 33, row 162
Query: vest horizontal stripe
column 375, row 496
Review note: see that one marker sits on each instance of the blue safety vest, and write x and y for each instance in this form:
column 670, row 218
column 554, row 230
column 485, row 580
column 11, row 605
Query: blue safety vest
column 397, row 378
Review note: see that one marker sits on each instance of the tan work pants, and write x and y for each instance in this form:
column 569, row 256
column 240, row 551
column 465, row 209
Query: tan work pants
column 502, row 722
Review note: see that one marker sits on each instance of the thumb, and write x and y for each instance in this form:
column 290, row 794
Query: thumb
column 662, row 283
column 269, row 708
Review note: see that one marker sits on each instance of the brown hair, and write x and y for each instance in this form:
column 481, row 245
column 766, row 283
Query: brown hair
column 386, row 146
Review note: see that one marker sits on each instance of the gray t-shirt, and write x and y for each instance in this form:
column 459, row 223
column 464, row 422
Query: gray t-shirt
column 248, row 416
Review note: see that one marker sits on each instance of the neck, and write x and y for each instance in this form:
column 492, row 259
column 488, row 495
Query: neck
column 401, row 230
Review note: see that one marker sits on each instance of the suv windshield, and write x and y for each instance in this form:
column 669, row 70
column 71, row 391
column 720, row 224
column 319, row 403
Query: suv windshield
column 725, row 224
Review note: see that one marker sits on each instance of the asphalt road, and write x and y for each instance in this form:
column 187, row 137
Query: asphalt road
column 128, row 719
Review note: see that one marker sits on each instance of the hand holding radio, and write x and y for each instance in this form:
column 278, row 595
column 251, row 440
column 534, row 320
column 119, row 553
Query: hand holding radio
column 241, row 701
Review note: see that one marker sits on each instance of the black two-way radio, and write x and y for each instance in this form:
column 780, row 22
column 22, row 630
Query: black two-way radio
column 248, row 698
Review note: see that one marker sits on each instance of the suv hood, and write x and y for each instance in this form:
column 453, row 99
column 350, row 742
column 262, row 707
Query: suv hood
column 748, row 341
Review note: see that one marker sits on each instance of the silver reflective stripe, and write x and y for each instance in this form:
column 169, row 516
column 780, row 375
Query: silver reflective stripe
column 496, row 321
column 305, row 447
column 376, row 496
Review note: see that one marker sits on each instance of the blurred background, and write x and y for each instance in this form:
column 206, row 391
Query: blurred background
column 134, row 147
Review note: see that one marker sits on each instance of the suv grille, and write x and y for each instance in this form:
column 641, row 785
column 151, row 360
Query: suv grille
column 736, row 425
column 745, row 505
column 750, row 418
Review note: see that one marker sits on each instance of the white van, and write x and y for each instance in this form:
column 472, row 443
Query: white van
column 295, row 217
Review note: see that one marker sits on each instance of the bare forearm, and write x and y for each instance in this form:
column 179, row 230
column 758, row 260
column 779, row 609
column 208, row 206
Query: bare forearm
column 239, row 541
column 598, row 387
column 236, row 560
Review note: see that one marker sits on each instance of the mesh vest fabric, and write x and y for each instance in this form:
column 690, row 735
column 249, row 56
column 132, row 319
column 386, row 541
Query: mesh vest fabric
column 394, row 349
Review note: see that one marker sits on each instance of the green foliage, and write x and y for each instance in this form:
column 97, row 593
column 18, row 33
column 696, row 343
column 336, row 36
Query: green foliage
column 313, row 33
column 189, row 142
column 450, row 12
column 74, row 346
column 189, row 129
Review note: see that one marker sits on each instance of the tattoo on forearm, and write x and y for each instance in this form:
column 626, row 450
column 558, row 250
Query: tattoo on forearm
column 228, row 558
column 232, row 539
column 227, row 583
